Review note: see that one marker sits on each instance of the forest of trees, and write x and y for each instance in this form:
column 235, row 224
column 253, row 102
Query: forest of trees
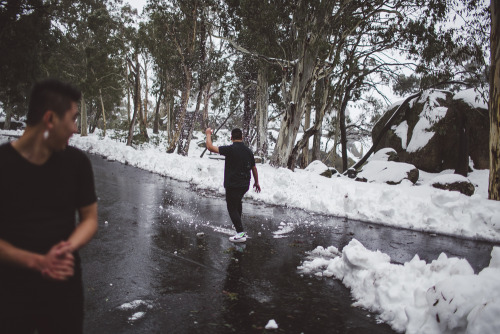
column 284, row 71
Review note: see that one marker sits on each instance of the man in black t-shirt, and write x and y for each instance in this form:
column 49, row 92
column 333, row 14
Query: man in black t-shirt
column 44, row 183
column 238, row 164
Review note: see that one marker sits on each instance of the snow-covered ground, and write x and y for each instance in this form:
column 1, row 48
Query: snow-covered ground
column 444, row 296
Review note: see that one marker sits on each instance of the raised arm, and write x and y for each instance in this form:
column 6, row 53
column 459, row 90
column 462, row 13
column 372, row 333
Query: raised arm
column 210, row 146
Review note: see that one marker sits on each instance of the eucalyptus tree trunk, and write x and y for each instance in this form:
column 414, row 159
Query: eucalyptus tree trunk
column 103, row 113
column 136, row 96
column 156, row 123
column 494, row 181
column 333, row 151
column 248, row 114
column 183, row 148
column 310, row 29
column 142, row 122
column 83, row 117
column 303, row 76
column 343, row 130
column 170, row 112
column 316, row 148
column 93, row 123
column 146, row 93
column 128, row 95
column 262, row 105
column 203, row 85
column 322, row 106
column 188, row 75
column 321, row 109
column 304, row 161
column 185, row 44
column 159, row 98
column 206, row 101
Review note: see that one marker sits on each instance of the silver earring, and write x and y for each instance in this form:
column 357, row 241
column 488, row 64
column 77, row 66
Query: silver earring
column 46, row 134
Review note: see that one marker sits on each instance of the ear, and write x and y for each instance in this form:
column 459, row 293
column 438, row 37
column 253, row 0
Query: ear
column 48, row 119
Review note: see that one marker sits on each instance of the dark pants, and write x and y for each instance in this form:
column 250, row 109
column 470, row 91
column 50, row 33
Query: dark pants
column 30, row 304
column 234, row 207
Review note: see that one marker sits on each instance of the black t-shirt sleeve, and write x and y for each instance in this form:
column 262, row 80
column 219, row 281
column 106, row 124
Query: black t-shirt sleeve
column 224, row 150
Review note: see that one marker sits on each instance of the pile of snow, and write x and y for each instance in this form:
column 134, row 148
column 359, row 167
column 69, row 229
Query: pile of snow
column 385, row 171
column 382, row 154
column 379, row 169
column 444, row 296
column 449, row 178
column 133, row 306
column 271, row 324
column 316, row 167
column 473, row 98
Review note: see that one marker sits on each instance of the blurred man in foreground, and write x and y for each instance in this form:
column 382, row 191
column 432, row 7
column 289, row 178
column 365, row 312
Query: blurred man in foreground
column 43, row 184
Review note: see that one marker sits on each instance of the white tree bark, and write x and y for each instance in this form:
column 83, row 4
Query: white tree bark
column 494, row 182
column 296, row 100
column 262, row 112
column 103, row 113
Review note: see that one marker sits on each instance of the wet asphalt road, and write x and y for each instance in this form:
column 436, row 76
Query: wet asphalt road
column 148, row 250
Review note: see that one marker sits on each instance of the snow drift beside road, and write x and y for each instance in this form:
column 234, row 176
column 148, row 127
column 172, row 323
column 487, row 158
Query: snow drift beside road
column 444, row 296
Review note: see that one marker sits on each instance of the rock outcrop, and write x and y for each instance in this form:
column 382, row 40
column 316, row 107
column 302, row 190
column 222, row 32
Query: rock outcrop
column 438, row 131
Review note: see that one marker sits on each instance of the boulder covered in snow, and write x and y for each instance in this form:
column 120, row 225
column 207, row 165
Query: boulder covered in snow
column 389, row 172
column 426, row 132
column 454, row 182
column 385, row 154
column 318, row 167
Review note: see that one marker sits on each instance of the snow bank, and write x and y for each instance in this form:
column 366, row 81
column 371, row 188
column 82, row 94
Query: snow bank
column 444, row 296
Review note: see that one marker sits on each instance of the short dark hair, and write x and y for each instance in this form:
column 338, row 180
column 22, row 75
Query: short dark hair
column 236, row 134
column 50, row 94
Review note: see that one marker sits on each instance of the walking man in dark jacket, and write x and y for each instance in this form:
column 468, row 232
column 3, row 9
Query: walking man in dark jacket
column 239, row 161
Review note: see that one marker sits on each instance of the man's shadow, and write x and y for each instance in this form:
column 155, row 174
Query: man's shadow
column 237, row 304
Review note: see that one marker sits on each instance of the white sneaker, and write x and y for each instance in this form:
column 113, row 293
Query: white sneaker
column 239, row 237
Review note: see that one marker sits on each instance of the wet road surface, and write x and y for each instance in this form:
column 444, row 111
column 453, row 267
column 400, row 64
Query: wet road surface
column 162, row 262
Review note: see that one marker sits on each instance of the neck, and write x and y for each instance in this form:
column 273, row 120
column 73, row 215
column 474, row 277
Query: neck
column 33, row 146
